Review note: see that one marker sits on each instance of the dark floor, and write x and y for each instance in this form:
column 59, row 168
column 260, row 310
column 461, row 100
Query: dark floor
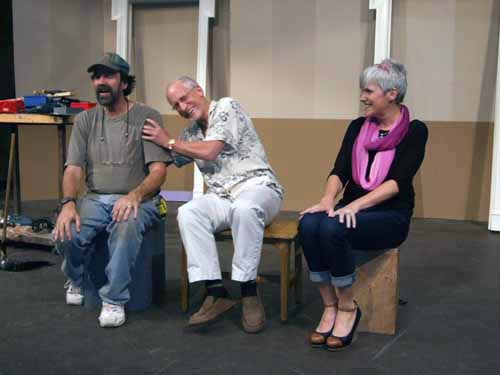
column 449, row 273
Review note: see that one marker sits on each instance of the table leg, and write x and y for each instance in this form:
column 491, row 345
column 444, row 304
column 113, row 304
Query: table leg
column 184, row 282
column 61, row 134
column 284, row 249
column 298, row 272
column 16, row 181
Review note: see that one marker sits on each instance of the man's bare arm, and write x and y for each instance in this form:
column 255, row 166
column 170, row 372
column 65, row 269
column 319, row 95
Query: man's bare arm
column 205, row 150
column 72, row 180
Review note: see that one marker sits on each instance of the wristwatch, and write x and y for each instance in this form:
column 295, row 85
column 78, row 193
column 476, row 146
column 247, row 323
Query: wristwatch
column 171, row 143
column 67, row 200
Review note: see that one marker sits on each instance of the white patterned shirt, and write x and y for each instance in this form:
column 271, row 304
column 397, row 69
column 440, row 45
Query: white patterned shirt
column 242, row 161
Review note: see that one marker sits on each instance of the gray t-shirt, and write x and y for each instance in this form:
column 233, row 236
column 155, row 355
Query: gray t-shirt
column 115, row 162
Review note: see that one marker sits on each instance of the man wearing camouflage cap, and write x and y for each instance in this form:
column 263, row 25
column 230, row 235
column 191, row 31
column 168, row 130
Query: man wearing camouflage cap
column 123, row 177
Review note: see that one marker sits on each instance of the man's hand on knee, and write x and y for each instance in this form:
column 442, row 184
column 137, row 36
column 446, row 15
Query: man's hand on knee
column 125, row 206
column 67, row 215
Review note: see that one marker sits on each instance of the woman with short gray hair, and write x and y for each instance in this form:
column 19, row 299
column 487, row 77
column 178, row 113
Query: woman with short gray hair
column 380, row 154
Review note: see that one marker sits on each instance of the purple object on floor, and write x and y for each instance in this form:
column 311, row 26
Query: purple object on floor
column 176, row 196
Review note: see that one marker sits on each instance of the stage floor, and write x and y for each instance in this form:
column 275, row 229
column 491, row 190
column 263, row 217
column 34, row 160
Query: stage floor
column 449, row 274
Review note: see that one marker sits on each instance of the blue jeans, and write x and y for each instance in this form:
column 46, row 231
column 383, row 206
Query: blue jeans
column 328, row 244
column 124, row 243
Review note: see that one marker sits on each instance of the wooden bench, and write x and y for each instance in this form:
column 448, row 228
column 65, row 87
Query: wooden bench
column 376, row 291
column 282, row 234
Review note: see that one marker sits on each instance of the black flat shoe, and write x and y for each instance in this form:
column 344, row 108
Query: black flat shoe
column 318, row 339
column 334, row 343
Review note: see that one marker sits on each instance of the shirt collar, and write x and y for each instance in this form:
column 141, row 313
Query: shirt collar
column 211, row 108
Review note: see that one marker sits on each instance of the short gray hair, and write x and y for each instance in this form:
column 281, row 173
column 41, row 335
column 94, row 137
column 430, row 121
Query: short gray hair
column 186, row 81
column 388, row 75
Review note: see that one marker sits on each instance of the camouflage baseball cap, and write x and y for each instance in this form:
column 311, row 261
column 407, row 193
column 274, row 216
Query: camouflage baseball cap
column 113, row 61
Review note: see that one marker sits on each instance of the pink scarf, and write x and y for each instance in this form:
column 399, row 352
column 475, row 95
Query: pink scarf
column 367, row 140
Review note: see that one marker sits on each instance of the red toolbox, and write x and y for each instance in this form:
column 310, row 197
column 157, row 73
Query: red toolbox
column 11, row 106
column 82, row 105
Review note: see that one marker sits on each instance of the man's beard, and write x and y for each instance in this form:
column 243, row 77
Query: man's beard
column 108, row 101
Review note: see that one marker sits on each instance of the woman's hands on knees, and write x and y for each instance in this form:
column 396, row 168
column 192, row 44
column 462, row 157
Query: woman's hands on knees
column 324, row 205
column 346, row 214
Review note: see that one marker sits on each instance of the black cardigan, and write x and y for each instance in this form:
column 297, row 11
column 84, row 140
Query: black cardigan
column 407, row 159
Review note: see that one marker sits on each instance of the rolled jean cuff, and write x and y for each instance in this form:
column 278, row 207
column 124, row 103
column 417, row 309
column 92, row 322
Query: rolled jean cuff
column 320, row 276
column 343, row 281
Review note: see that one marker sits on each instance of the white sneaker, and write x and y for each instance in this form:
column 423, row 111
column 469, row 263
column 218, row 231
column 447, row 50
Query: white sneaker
column 74, row 294
column 111, row 315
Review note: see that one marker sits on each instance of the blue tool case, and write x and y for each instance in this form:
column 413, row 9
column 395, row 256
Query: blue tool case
column 34, row 100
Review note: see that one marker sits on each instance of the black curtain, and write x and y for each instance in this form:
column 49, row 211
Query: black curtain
column 7, row 79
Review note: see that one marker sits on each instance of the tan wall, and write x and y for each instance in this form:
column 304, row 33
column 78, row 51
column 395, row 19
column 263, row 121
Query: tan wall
column 456, row 176
column 39, row 161
column 52, row 51
column 157, row 29
column 302, row 59
column 286, row 59
column 450, row 50
column 299, row 59
column 109, row 27
column 178, row 178
column 164, row 46
column 55, row 40
column 453, row 183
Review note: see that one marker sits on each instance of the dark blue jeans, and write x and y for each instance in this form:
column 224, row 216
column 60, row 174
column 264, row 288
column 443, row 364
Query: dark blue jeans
column 328, row 244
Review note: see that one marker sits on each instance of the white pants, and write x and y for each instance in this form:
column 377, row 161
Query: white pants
column 247, row 216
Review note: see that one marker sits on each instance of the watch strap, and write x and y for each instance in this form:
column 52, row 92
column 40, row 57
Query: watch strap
column 67, row 200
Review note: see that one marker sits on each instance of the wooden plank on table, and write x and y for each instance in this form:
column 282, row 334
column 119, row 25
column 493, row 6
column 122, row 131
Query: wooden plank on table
column 30, row 118
column 44, row 239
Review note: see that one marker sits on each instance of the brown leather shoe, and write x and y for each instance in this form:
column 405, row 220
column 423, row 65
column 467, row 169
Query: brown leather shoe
column 318, row 339
column 254, row 316
column 210, row 310
column 207, row 304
